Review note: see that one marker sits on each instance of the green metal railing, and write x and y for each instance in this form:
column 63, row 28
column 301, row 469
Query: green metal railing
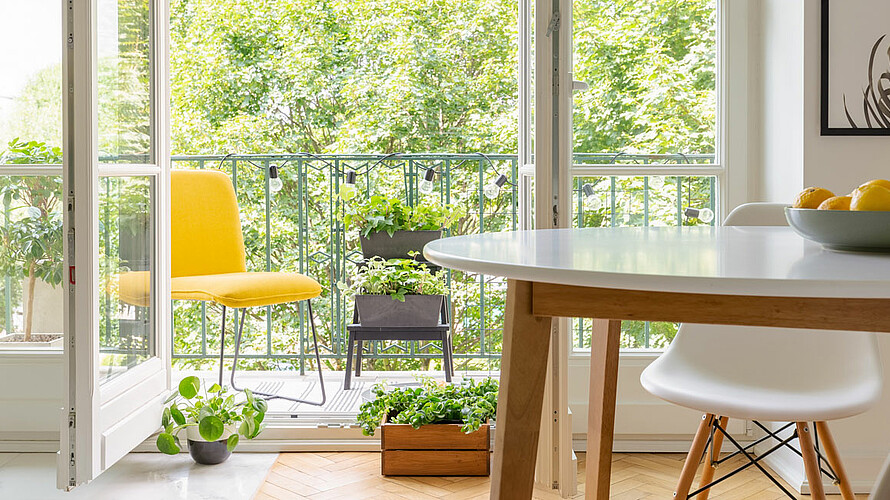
column 301, row 229
column 310, row 212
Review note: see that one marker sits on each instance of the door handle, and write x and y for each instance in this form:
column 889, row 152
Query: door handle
column 579, row 85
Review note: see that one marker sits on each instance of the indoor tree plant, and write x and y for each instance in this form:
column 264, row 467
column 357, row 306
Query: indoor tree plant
column 435, row 429
column 389, row 228
column 397, row 292
column 213, row 421
column 31, row 243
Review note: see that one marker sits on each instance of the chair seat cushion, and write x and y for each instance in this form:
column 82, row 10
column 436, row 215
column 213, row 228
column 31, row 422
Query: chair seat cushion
column 246, row 289
column 135, row 288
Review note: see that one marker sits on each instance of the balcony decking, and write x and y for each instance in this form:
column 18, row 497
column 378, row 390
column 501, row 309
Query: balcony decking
column 341, row 405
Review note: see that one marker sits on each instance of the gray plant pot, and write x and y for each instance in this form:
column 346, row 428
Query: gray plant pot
column 396, row 247
column 383, row 310
column 209, row 452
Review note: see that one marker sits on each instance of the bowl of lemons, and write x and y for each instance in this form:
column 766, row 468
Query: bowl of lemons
column 857, row 222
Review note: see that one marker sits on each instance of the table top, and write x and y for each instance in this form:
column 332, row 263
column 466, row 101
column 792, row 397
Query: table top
column 760, row 261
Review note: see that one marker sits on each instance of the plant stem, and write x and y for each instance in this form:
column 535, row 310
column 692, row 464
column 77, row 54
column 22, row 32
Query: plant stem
column 32, row 279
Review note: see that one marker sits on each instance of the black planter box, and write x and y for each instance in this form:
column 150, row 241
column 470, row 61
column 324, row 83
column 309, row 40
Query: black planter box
column 383, row 310
column 380, row 244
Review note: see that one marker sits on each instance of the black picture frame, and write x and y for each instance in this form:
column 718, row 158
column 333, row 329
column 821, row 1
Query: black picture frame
column 827, row 98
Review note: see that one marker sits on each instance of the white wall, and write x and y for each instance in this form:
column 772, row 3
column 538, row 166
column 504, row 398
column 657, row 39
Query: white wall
column 793, row 156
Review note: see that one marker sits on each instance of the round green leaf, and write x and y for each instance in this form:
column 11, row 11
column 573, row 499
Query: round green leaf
column 214, row 388
column 177, row 415
column 260, row 405
column 167, row 444
column 189, row 387
column 232, row 442
column 210, row 428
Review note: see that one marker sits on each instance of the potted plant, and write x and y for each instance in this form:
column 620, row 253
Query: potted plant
column 397, row 292
column 433, row 430
column 31, row 237
column 213, row 421
column 391, row 229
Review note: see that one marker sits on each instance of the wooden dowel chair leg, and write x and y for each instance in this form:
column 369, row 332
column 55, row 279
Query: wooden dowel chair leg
column 808, row 450
column 694, row 456
column 713, row 454
column 834, row 459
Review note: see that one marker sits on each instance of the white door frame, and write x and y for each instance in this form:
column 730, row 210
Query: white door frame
column 102, row 422
column 552, row 170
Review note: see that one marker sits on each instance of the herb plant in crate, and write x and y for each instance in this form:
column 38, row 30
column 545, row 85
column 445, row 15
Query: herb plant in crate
column 390, row 229
column 433, row 430
column 214, row 422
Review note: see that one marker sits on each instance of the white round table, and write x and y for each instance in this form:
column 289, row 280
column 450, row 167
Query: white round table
column 764, row 276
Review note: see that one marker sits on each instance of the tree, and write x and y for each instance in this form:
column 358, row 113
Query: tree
column 31, row 243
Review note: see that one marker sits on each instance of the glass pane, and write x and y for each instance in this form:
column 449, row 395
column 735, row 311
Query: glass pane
column 641, row 201
column 31, row 78
column 31, row 260
column 126, row 265
column 651, row 67
column 125, row 107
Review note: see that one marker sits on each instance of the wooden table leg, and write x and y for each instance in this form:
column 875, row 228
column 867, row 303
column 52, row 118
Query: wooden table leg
column 526, row 347
column 604, row 344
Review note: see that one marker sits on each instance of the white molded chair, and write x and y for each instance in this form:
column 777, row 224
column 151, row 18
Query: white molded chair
column 767, row 374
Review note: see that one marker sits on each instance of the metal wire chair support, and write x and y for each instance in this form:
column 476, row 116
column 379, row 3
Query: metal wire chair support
column 324, row 397
column 755, row 461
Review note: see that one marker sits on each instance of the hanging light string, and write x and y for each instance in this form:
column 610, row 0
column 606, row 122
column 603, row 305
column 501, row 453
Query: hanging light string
column 426, row 185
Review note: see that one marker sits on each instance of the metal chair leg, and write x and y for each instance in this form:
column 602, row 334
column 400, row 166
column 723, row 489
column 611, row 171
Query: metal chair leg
column 222, row 345
column 324, row 397
column 358, row 358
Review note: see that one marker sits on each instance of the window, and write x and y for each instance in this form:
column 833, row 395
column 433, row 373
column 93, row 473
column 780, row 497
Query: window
column 645, row 131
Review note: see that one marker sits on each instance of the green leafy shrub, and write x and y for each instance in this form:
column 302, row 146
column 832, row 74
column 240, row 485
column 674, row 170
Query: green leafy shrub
column 31, row 238
column 379, row 213
column 211, row 412
column 469, row 403
column 396, row 278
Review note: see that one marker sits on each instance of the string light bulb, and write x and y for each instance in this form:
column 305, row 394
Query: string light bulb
column 492, row 190
column 426, row 184
column 347, row 190
column 656, row 182
column 705, row 215
column 591, row 200
column 275, row 183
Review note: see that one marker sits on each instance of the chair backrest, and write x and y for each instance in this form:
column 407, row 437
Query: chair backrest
column 757, row 214
column 205, row 224
column 781, row 358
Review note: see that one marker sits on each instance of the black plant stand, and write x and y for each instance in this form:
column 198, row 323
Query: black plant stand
column 360, row 334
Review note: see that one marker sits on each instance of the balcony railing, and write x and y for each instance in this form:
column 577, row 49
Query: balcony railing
column 301, row 229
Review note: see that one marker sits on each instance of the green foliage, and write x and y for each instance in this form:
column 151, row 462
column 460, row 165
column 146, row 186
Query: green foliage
column 31, row 237
column 470, row 403
column 211, row 412
column 379, row 213
column 328, row 76
column 396, row 278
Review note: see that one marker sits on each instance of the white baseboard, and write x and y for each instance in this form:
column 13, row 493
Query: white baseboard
column 48, row 446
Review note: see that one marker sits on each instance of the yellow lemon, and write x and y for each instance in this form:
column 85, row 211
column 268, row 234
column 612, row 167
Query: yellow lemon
column 812, row 197
column 836, row 203
column 877, row 182
column 871, row 198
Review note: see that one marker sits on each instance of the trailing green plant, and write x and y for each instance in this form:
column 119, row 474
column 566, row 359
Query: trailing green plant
column 396, row 278
column 31, row 237
column 469, row 403
column 211, row 412
column 379, row 213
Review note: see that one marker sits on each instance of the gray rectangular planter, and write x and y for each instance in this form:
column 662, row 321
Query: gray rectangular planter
column 383, row 310
column 380, row 244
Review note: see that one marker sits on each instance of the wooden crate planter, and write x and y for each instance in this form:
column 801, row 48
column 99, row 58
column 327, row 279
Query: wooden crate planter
column 434, row 450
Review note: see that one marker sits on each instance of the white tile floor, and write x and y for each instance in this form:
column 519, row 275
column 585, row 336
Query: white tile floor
column 138, row 476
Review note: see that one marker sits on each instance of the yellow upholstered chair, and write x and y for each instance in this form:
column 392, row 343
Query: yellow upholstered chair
column 208, row 259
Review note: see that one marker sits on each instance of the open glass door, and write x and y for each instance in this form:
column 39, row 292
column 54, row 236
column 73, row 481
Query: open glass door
column 116, row 220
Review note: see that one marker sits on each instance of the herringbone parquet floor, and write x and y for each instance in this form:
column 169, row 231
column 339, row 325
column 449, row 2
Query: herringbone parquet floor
column 357, row 476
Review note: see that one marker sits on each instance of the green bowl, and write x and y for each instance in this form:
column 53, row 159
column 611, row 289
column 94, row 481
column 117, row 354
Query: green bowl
column 844, row 230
